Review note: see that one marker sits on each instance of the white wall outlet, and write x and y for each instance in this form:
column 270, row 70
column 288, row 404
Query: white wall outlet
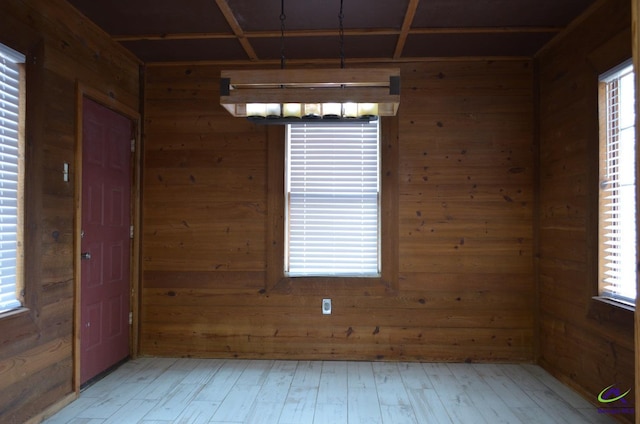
column 326, row 306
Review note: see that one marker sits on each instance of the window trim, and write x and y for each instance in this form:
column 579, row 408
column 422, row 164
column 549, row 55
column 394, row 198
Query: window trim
column 289, row 189
column 603, row 111
column 275, row 278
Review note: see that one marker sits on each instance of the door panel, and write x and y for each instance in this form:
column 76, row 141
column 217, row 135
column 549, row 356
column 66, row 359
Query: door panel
column 106, row 217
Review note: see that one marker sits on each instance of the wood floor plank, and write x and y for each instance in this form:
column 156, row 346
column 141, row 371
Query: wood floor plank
column 72, row 410
column 299, row 407
column 222, row 391
column 459, row 405
column 491, row 406
column 360, row 375
column 555, row 406
column 110, row 402
column 398, row 414
column 255, row 373
column 331, row 413
column 592, row 418
column 204, row 370
column 533, row 414
column 332, row 388
column 197, row 412
column 414, row 376
column 524, row 379
column 436, row 369
column 389, row 385
column 163, row 384
column 265, row 412
column 237, row 404
column 225, row 378
column 174, row 403
column 276, row 386
column 509, row 391
column 573, row 398
column 363, row 406
column 428, row 406
column 132, row 411
column 149, row 370
column 307, row 374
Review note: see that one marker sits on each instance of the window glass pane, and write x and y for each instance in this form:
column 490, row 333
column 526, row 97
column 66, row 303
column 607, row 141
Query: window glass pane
column 333, row 190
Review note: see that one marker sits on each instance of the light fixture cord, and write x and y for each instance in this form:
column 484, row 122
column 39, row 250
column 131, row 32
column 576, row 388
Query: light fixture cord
column 283, row 17
column 341, row 19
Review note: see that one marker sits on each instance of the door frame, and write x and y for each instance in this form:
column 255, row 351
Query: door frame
column 85, row 92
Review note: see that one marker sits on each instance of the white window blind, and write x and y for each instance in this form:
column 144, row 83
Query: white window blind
column 618, row 196
column 9, row 156
column 333, row 197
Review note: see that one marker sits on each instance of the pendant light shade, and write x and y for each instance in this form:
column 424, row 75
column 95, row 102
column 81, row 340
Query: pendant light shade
column 286, row 94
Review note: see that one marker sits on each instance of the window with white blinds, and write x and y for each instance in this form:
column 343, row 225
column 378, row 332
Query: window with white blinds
column 332, row 199
column 618, row 186
column 9, row 183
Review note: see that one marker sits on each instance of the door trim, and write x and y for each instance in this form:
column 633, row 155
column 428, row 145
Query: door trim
column 83, row 91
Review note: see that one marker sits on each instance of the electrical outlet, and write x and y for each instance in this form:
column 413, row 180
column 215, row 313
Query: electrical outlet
column 326, row 306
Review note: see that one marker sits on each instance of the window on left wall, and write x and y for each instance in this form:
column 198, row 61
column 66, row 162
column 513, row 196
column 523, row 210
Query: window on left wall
column 11, row 177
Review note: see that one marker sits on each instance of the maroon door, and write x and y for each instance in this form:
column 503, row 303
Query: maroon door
column 105, row 246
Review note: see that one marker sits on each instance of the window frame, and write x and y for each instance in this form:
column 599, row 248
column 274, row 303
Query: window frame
column 275, row 279
column 18, row 59
column 604, row 80
column 296, row 128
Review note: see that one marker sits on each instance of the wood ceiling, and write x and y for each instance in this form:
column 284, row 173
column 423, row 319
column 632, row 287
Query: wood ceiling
column 243, row 31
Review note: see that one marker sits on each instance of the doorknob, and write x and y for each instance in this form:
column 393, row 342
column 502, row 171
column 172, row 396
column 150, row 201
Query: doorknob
column 85, row 255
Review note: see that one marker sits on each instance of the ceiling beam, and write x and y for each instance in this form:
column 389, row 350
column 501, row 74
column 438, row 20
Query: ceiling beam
column 335, row 32
column 406, row 26
column 486, row 30
column 176, row 36
column 365, row 62
column 236, row 28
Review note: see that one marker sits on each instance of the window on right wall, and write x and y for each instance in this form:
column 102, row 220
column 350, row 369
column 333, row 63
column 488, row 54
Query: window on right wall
column 617, row 194
column 11, row 177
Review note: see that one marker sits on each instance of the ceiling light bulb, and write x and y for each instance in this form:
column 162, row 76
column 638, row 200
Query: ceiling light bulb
column 257, row 110
column 331, row 110
column 273, row 110
column 350, row 110
column 366, row 110
column 312, row 110
column 292, row 110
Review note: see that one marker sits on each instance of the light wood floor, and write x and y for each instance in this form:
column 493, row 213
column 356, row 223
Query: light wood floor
column 157, row 390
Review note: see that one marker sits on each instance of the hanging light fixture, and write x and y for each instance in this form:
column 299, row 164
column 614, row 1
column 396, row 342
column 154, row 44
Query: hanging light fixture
column 290, row 95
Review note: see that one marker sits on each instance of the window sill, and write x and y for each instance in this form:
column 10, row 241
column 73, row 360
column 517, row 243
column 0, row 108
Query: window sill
column 327, row 285
column 613, row 302
column 14, row 313
column 609, row 312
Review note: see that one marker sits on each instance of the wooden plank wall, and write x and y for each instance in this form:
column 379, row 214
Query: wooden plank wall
column 464, row 289
column 36, row 363
column 586, row 343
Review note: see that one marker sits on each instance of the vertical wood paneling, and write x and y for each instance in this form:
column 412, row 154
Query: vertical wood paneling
column 460, row 162
column 63, row 48
column 570, row 321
